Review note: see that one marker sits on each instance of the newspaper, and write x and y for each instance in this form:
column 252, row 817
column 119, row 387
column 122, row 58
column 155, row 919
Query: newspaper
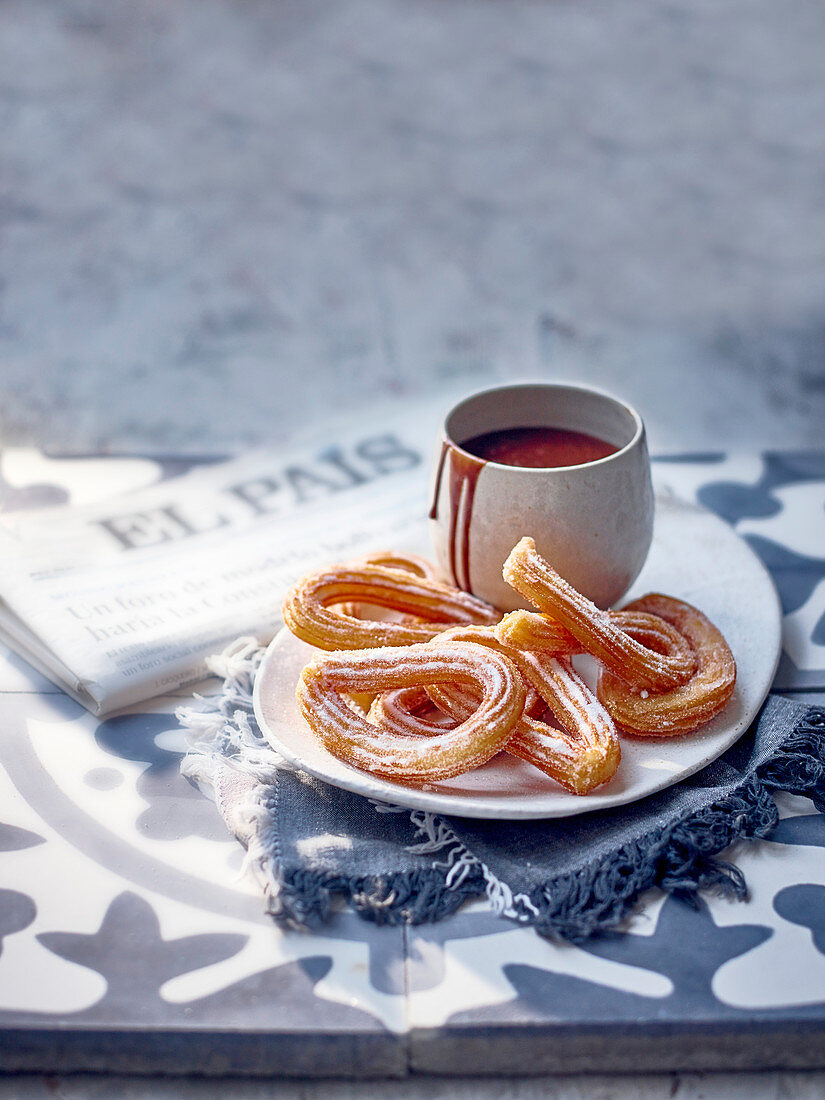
column 122, row 600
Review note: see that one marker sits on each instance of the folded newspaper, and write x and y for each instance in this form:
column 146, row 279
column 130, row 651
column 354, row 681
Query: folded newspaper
column 123, row 599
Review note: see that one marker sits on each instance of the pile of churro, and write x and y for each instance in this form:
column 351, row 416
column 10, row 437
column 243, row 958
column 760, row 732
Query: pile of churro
column 419, row 681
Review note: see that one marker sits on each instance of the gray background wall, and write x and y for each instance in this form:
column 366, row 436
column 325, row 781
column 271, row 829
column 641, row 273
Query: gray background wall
column 219, row 218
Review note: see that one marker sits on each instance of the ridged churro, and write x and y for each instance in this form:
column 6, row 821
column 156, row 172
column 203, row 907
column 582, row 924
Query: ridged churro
column 641, row 667
column 313, row 607
column 348, row 734
column 688, row 706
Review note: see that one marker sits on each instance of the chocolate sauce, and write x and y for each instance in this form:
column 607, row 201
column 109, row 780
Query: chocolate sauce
column 538, row 447
column 463, row 474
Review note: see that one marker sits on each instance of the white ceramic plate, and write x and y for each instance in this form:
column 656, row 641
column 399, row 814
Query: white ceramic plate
column 694, row 556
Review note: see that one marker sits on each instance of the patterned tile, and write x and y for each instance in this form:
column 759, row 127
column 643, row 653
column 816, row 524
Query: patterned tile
column 777, row 504
column 124, row 905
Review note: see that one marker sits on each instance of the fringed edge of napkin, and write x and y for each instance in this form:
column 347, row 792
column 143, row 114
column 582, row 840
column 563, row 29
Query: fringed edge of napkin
column 233, row 763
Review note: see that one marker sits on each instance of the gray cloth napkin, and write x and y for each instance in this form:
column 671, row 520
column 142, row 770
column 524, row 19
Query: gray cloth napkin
column 313, row 845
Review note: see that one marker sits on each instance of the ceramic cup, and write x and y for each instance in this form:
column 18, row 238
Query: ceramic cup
column 593, row 522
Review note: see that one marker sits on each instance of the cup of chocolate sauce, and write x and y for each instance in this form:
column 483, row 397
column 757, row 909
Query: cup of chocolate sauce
column 564, row 464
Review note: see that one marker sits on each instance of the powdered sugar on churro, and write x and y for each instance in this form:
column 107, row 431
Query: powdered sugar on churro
column 315, row 607
column 530, row 575
column 451, row 682
column 400, row 755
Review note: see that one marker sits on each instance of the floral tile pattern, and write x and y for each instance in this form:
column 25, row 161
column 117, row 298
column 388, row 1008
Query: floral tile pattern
column 125, row 908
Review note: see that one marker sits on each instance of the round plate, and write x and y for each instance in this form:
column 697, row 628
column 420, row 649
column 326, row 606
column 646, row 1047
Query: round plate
column 696, row 557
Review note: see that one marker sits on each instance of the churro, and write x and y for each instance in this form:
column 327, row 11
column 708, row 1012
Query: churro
column 688, row 706
column 347, row 733
column 312, row 609
column 641, row 667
